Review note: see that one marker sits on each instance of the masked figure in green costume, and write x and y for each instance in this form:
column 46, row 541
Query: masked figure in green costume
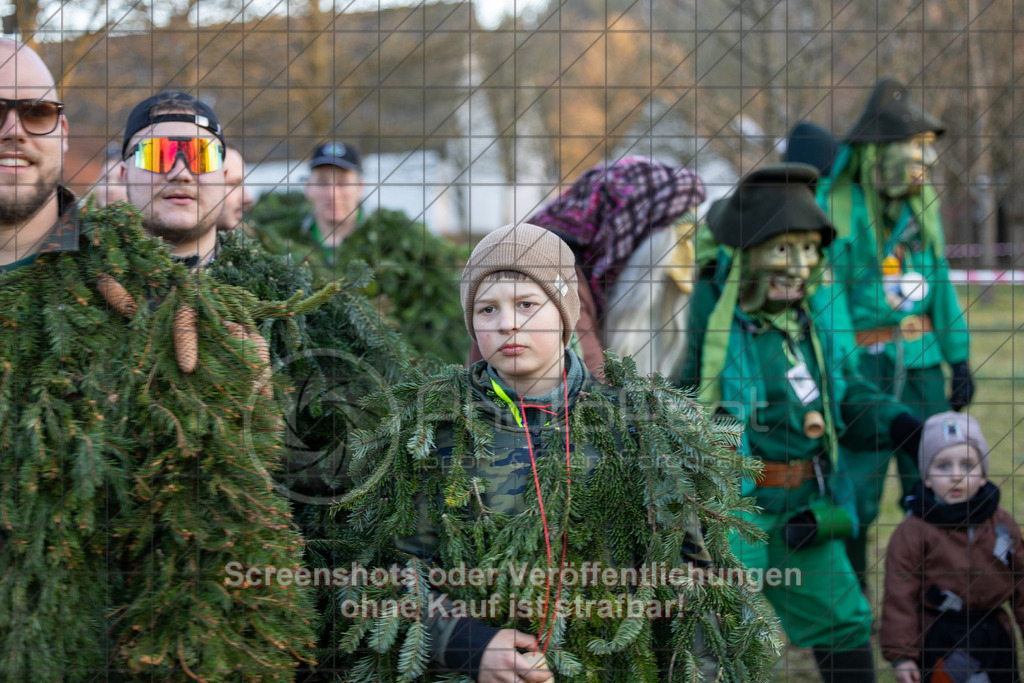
column 891, row 272
column 762, row 348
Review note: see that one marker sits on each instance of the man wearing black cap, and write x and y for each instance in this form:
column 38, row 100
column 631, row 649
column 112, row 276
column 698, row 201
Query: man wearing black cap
column 413, row 269
column 334, row 190
column 763, row 350
column 174, row 172
column 333, row 193
column 890, row 268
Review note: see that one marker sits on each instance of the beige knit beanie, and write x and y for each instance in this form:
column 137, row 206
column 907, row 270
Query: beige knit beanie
column 538, row 254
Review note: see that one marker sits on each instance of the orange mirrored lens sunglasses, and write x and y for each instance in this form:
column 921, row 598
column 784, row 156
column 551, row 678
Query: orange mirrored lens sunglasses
column 159, row 155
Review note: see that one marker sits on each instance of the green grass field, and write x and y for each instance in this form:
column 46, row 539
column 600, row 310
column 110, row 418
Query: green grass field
column 997, row 358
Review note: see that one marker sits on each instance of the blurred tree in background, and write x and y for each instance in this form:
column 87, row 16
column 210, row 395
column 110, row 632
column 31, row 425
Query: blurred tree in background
column 562, row 86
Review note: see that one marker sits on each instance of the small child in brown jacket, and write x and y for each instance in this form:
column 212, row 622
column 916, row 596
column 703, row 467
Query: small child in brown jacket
column 951, row 565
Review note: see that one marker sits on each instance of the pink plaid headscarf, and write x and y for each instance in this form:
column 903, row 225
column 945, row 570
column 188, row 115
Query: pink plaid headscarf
column 610, row 209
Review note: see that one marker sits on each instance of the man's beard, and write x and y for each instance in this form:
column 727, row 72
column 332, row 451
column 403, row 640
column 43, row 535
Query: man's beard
column 27, row 201
column 176, row 235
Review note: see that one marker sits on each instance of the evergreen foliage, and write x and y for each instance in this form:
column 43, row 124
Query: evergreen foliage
column 663, row 461
column 416, row 273
column 128, row 486
column 327, row 361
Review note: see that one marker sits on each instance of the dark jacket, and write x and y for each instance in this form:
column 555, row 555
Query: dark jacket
column 508, row 481
column 960, row 559
column 458, row 479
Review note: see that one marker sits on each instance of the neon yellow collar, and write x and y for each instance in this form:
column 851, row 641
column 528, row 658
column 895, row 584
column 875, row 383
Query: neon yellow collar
column 511, row 404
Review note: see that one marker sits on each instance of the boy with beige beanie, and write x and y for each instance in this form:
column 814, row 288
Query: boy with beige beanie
column 577, row 506
column 951, row 565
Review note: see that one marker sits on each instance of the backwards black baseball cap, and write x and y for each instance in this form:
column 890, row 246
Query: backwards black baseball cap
column 202, row 115
column 337, row 154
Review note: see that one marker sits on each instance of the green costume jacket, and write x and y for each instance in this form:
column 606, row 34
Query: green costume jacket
column 910, row 234
column 457, row 488
column 752, row 386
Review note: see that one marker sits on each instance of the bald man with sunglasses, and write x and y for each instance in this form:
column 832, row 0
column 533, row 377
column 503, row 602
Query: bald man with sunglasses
column 37, row 214
column 174, row 172
column 96, row 582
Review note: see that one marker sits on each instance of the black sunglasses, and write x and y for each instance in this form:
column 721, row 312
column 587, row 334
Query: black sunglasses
column 38, row 117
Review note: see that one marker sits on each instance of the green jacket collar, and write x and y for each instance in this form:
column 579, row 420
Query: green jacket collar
column 310, row 227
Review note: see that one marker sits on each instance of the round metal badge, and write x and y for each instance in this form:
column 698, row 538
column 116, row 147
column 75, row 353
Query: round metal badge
column 913, row 286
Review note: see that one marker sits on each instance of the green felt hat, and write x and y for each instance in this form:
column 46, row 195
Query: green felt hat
column 767, row 202
column 890, row 115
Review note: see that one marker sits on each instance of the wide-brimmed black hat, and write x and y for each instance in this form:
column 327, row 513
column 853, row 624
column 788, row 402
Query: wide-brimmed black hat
column 891, row 115
column 767, row 202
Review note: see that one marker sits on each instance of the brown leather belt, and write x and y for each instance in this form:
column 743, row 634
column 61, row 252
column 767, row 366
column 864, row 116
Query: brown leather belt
column 785, row 475
column 910, row 328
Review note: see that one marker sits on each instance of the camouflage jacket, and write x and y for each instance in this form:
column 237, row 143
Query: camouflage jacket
column 504, row 484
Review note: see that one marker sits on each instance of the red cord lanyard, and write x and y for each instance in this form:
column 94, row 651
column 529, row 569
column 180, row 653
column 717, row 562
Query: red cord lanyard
column 543, row 646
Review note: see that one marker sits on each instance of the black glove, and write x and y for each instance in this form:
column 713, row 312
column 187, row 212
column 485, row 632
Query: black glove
column 963, row 387
column 800, row 530
column 905, row 432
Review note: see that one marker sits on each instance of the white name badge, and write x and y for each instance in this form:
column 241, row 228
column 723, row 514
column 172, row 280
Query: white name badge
column 803, row 384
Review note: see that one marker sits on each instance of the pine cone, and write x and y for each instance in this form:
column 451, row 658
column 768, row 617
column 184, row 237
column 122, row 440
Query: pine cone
column 262, row 380
column 263, row 352
column 235, row 330
column 116, row 295
column 186, row 338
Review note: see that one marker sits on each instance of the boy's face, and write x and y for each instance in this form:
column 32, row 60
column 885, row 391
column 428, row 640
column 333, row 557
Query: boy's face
column 955, row 474
column 519, row 331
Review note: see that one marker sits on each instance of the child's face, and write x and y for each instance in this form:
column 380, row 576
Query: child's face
column 955, row 474
column 519, row 331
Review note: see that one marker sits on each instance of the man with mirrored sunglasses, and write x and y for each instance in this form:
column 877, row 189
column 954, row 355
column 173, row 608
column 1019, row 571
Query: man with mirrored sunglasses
column 174, row 171
column 36, row 213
